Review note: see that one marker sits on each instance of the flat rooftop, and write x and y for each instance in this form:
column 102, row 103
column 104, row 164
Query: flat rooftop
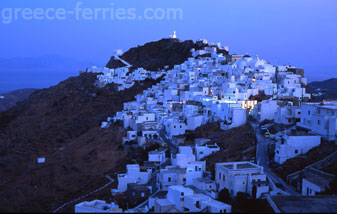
column 239, row 165
column 319, row 178
column 327, row 105
column 163, row 202
column 306, row 204
column 175, row 170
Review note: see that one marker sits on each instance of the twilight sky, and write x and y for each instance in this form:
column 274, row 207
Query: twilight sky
column 298, row 32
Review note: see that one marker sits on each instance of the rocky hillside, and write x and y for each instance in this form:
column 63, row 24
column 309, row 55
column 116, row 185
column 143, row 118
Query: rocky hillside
column 156, row 55
column 9, row 99
column 62, row 124
column 328, row 87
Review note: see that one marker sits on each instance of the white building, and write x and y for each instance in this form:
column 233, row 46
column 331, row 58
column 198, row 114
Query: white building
column 320, row 119
column 184, row 157
column 175, row 127
column 97, row 206
column 205, row 184
column 186, row 200
column 315, row 181
column 171, row 176
column 205, row 150
column 133, row 175
column 195, row 169
column 177, row 194
column 265, row 110
column 157, row 156
column 241, row 177
column 130, row 136
column 293, row 144
column 200, row 202
column 287, row 116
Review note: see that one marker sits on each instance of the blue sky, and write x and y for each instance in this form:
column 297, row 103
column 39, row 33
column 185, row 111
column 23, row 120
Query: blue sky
column 300, row 32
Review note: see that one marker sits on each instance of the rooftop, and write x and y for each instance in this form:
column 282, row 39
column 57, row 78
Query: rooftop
column 318, row 177
column 305, row 204
column 163, row 202
column 239, row 165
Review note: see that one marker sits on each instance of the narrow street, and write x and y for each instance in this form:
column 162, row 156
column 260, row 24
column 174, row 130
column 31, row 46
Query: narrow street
column 263, row 160
column 173, row 148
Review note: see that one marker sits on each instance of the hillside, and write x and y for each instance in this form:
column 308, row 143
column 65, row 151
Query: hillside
column 154, row 55
column 328, row 87
column 9, row 99
column 61, row 123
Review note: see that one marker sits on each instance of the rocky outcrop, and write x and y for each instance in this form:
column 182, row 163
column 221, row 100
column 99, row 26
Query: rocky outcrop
column 156, row 55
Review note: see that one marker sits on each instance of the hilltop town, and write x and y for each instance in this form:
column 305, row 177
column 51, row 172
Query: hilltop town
column 172, row 126
column 213, row 88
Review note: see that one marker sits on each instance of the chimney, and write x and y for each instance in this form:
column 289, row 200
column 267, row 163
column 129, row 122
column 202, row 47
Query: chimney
column 234, row 165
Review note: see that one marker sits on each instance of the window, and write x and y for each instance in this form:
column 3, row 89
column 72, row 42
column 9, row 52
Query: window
column 318, row 122
column 296, row 151
column 309, row 112
column 277, row 152
column 197, row 204
column 223, row 177
column 181, row 126
column 147, row 118
column 142, row 195
column 182, row 193
column 169, row 179
column 174, row 126
column 219, row 175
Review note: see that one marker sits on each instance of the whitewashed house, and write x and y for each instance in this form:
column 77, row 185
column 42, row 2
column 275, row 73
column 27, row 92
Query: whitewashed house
column 202, row 151
column 241, row 177
column 158, row 156
column 177, row 194
column 199, row 202
column 134, row 174
column 175, row 127
column 315, row 181
column 130, row 136
column 171, row 176
column 97, row 206
column 206, row 185
column 265, row 110
column 185, row 200
column 290, row 145
column 195, row 169
column 287, row 116
column 184, row 157
column 320, row 119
